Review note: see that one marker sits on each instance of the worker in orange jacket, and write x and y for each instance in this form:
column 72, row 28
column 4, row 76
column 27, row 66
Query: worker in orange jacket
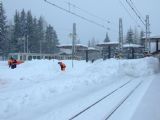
column 62, row 65
column 12, row 63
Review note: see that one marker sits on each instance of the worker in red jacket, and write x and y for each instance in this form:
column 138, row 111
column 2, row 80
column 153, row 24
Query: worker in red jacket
column 62, row 65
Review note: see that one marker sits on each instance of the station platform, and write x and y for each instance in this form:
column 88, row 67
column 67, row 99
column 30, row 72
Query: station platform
column 149, row 107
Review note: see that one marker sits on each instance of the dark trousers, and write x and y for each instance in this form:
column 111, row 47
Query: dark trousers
column 13, row 66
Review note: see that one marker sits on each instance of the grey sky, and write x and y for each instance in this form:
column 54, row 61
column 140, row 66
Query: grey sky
column 108, row 9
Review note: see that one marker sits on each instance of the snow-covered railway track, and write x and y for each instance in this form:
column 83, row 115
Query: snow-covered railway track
column 108, row 100
column 122, row 101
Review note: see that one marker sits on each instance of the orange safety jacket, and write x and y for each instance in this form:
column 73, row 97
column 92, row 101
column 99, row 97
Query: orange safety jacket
column 10, row 62
column 63, row 66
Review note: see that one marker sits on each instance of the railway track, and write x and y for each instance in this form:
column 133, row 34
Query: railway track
column 88, row 111
column 122, row 101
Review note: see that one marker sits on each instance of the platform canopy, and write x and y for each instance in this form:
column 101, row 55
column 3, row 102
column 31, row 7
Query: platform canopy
column 106, row 44
column 153, row 38
column 132, row 46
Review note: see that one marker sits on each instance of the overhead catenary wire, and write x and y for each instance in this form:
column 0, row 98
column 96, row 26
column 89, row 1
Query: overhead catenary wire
column 129, row 3
column 84, row 11
column 90, row 14
column 70, row 12
column 129, row 13
column 87, row 12
column 146, row 25
column 137, row 10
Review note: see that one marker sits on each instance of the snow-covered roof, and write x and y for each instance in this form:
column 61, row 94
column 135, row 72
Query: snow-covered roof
column 107, row 44
column 132, row 46
column 69, row 46
column 92, row 49
column 153, row 38
column 157, row 36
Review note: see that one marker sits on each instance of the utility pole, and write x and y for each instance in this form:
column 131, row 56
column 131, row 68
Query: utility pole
column 24, row 45
column 145, row 23
column 73, row 42
column 27, row 42
column 40, row 48
column 120, row 35
column 147, row 39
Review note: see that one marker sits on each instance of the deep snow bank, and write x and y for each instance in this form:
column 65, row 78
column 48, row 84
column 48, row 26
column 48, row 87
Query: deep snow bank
column 38, row 71
column 140, row 67
column 35, row 82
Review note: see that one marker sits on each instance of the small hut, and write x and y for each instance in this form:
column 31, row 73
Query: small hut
column 132, row 51
column 155, row 43
column 108, row 49
column 79, row 50
column 92, row 54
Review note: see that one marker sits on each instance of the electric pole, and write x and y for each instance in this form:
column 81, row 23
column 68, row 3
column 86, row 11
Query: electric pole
column 147, row 39
column 73, row 42
column 27, row 44
column 120, row 34
column 40, row 48
column 145, row 23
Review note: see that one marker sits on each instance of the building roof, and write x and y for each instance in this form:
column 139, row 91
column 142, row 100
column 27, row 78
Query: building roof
column 105, row 44
column 157, row 36
column 92, row 49
column 132, row 46
column 32, row 54
column 69, row 46
column 153, row 38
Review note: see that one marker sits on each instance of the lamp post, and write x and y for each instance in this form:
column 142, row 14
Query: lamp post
column 26, row 38
column 21, row 41
column 24, row 44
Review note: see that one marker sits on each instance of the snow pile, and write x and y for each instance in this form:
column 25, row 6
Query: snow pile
column 140, row 67
column 35, row 82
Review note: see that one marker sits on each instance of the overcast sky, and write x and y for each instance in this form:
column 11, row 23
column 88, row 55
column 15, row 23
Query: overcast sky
column 110, row 10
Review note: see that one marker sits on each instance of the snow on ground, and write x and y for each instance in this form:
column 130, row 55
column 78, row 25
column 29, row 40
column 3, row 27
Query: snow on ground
column 38, row 90
column 149, row 109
